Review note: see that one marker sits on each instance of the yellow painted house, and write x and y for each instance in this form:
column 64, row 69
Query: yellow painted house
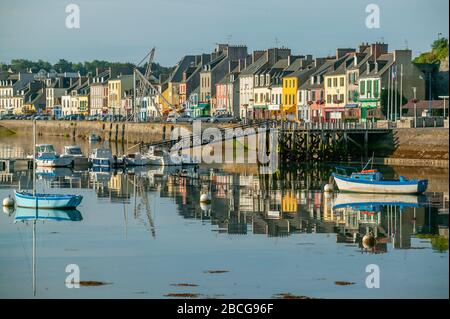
column 83, row 104
column 291, row 83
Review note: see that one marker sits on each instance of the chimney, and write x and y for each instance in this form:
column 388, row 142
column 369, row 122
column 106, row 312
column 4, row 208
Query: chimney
column 363, row 47
column 256, row 55
column 343, row 52
column 319, row 61
column 377, row 49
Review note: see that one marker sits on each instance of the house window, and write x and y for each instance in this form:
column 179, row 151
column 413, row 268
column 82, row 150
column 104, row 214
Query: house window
column 362, row 87
column 261, row 79
column 313, row 95
column 328, row 98
column 341, row 98
column 341, row 81
column 334, row 82
column 329, row 82
column 256, row 80
column 256, row 97
column 369, row 88
column 376, row 88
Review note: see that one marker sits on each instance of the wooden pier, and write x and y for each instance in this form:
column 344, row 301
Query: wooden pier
column 326, row 142
column 303, row 143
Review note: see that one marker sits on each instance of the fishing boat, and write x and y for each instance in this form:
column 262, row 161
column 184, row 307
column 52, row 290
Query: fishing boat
column 372, row 181
column 74, row 152
column 46, row 156
column 102, row 157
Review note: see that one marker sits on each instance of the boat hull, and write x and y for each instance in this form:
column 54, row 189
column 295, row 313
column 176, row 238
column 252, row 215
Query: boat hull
column 54, row 162
column 345, row 184
column 47, row 201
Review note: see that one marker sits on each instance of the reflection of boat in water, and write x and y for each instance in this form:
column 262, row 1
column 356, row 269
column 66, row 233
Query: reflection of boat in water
column 33, row 215
column 51, row 172
column 372, row 181
column 136, row 159
column 369, row 202
column 23, row 213
column 47, row 201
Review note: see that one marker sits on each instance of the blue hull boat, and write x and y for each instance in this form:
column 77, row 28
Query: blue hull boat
column 372, row 181
column 47, row 201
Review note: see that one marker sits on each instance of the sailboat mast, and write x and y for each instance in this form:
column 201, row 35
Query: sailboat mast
column 34, row 157
column 34, row 257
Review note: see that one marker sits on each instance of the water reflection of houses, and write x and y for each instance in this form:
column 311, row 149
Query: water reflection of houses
column 270, row 205
column 248, row 203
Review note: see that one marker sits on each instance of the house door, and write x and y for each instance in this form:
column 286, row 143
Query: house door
column 363, row 114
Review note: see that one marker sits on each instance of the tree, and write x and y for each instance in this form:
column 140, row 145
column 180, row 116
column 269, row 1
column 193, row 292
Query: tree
column 439, row 51
column 63, row 66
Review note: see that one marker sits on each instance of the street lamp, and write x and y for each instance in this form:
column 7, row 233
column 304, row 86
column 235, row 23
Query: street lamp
column 415, row 107
column 444, row 98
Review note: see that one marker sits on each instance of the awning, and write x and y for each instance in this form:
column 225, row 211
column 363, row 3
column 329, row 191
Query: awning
column 200, row 106
column 290, row 109
column 351, row 106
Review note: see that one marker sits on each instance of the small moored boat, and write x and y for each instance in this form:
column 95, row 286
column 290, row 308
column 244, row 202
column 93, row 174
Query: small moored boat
column 372, row 181
column 74, row 152
column 47, row 201
column 46, row 156
column 102, row 157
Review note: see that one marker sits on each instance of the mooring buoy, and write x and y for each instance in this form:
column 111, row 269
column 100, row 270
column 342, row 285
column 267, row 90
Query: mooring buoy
column 8, row 201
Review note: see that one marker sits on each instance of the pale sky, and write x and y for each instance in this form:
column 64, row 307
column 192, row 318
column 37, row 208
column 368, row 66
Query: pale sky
column 124, row 31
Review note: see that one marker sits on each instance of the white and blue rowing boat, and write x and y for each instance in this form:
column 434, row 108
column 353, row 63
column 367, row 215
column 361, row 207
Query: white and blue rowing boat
column 47, row 201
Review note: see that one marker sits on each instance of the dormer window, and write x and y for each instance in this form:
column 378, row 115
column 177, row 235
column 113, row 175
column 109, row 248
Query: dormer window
column 256, row 80
column 267, row 79
column 261, row 78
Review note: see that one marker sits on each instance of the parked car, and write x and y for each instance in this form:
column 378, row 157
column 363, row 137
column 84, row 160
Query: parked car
column 183, row 119
column 171, row 118
column 203, row 118
column 223, row 118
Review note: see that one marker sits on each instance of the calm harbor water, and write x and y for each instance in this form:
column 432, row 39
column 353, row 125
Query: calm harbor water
column 144, row 231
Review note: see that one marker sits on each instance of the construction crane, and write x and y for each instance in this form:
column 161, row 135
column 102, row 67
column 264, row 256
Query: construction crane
column 145, row 87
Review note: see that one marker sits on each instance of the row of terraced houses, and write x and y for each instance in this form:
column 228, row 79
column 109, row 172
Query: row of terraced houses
column 271, row 83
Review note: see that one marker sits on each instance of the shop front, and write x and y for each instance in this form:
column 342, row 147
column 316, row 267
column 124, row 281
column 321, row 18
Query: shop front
column 202, row 109
column 370, row 110
column 334, row 114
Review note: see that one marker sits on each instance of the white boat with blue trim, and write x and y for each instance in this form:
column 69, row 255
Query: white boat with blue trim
column 372, row 181
column 47, row 201
column 46, row 156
